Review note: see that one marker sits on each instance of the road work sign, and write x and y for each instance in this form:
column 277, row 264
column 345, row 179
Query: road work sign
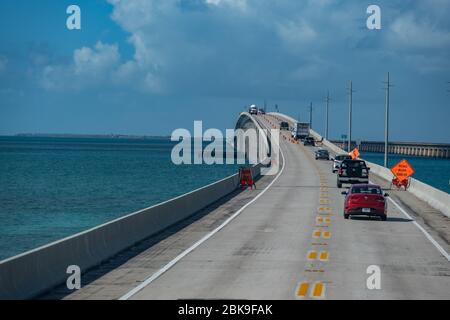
column 402, row 170
column 355, row 154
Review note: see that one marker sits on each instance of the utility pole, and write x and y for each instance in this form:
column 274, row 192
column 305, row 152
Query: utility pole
column 310, row 114
column 327, row 114
column 350, row 107
column 386, row 121
column 276, row 107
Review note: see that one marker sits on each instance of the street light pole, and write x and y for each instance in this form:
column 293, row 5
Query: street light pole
column 386, row 121
column 327, row 114
column 350, row 107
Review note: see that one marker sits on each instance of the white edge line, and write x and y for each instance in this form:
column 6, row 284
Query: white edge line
column 427, row 235
column 169, row 265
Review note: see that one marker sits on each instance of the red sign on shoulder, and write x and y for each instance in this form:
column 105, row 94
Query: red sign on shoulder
column 402, row 170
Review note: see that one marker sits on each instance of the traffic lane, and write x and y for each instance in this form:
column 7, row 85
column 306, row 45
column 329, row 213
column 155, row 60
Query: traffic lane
column 411, row 267
column 260, row 254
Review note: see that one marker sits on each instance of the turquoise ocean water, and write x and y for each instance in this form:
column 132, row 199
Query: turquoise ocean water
column 435, row 172
column 51, row 188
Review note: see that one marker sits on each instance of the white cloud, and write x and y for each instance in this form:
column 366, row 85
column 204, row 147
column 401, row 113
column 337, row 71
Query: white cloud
column 407, row 31
column 177, row 47
column 239, row 4
column 100, row 66
column 132, row 15
column 95, row 61
column 297, row 34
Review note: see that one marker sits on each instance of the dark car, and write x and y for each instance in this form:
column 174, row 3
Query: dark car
column 322, row 154
column 284, row 125
column 352, row 172
column 309, row 141
column 366, row 200
column 337, row 161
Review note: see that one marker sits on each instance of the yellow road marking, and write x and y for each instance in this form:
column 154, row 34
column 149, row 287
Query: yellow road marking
column 319, row 219
column 316, row 233
column 318, row 290
column 323, row 256
column 326, row 234
column 302, row 289
column 327, row 219
column 312, row 255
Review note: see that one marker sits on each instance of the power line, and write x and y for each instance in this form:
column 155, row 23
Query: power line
column 327, row 114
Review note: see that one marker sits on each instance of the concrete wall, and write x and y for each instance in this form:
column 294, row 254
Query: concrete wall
column 32, row 273
column 432, row 150
column 438, row 199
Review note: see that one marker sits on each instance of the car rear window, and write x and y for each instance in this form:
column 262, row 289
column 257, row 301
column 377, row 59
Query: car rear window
column 343, row 157
column 354, row 164
column 366, row 190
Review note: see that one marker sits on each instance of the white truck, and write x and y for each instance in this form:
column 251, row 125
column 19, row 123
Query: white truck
column 301, row 130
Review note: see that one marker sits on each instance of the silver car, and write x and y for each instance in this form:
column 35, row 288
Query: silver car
column 338, row 160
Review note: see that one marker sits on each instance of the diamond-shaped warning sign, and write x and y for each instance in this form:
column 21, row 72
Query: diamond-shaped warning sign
column 355, row 154
column 402, row 170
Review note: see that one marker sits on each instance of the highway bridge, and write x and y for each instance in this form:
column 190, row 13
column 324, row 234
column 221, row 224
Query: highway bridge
column 285, row 240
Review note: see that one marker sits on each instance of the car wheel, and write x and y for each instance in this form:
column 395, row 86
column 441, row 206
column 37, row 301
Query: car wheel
column 346, row 216
column 339, row 185
column 383, row 218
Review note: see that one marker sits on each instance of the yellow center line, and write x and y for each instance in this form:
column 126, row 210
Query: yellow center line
column 312, row 255
column 302, row 289
column 323, row 256
column 326, row 234
column 318, row 290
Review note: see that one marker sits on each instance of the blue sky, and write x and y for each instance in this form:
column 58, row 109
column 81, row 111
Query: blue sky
column 151, row 66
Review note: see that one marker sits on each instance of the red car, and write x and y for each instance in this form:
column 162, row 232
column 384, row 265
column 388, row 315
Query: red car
column 365, row 200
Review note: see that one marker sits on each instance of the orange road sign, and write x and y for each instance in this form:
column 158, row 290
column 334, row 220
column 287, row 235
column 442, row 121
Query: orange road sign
column 355, row 154
column 402, row 170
